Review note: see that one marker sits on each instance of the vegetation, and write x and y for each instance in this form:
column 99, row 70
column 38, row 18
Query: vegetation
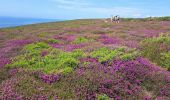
column 86, row 59
column 105, row 54
column 56, row 61
column 80, row 40
column 53, row 41
column 103, row 97
column 156, row 49
column 165, row 60
column 166, row 18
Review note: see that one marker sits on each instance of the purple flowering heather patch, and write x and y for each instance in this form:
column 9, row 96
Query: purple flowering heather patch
column 122, row 79
column 147, row 98
column 132, row 44
column 109, row 40
column 44, row 53
column 71, row 47
column 165, row 91
column 49, row 78
column 7, row 92
column 165, row 23
column 18, row 42
column 6, row 49
column 13, row 71
column 68, row 47
column 4, row 61
column 80, row 71
column 39, row 97
column 152, row 33
column 89, row 60
column 56, row 45
column 65, row 37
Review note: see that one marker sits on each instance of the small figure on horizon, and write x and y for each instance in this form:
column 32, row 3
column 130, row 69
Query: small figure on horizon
column 115, row 19
column 150, row 18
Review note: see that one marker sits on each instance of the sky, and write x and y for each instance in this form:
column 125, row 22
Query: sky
column 79, row 9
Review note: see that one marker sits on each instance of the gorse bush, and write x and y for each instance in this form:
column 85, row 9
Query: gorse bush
column 43, row 34
column 153, row 48
column 102, row 97
column 80, row 40
column 130, row 55
column 165, row 60
column 36, row 48
column 56, row 61
column 53, row 41
column 30, row 56
column 105, row 54
column 127, row 56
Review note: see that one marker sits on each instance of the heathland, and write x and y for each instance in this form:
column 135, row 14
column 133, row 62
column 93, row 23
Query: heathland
column 87, row 60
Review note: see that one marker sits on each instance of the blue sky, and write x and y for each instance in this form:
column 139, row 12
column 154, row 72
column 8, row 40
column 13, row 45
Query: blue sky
column 75, row 9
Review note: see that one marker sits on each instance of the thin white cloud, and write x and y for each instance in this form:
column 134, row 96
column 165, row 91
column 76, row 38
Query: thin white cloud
column 87, row 7
column 122, row 11
column 72, row 2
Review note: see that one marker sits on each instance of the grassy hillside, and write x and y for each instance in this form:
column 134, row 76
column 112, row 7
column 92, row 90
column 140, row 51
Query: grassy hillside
column 86, row 59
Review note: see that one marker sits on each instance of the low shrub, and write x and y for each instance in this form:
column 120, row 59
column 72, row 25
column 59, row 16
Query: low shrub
column 43, row 34
column 166, row 18
column 35, row 48
column 53, row 41
column 102, row 97
column 130, row 54
column 127, row 56
column 105, row 54
column 80, row 40
column 56, row 61
column 98, row 32
column 165, row 60
column 152, row 48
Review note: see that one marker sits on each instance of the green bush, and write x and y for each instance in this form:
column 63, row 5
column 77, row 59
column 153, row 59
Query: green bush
column 43, row 34
column 127, row 56
column 165, row 60
column 53, row 41
column 130, row 55
column 102, row 97
column 56, row 61
column 153, row 48
column 104, row 54
column 77, row 53
column 36, row 48
column 80, row 40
